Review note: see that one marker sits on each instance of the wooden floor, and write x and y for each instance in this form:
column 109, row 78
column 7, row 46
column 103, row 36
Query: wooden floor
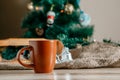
column 76, row 74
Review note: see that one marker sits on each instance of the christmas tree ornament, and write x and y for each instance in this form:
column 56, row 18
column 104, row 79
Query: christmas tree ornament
column 78, row 2
column 30, row 6
column 50, row 17
column 85, row 19
column 39, row 8
column 39, row 31
column 69, row 8
column 62, row 11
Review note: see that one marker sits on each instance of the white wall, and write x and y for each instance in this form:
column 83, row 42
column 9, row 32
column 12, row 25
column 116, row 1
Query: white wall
column 105, row 16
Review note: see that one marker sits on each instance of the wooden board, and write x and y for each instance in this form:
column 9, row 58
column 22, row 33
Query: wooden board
column 17, row 41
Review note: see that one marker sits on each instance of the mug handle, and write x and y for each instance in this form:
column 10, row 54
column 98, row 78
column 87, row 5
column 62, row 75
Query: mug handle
column 60, row 47
column 20, row 52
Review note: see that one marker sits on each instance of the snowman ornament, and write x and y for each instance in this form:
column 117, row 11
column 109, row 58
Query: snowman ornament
column 50, row 18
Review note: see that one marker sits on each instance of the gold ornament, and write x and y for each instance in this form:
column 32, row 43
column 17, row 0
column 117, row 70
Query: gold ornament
column 38, row 8
column 69, row 8
column 30, row 6
column 39, row 31
column 62, row 11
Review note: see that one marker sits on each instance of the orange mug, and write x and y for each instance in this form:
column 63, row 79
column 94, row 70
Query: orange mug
column 43, row 55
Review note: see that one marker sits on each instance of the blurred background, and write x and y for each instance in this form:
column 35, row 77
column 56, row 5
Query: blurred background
column 105, row 16
column 11, row 15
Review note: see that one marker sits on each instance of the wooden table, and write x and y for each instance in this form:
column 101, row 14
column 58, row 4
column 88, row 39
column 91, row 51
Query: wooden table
column 63, row 74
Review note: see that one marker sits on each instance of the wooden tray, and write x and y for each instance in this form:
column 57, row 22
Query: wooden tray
column 17, row 41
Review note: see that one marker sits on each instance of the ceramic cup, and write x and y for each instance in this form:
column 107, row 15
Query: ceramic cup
column 43, row 55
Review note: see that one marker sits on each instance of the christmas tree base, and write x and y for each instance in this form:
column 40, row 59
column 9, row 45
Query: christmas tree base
column 95, row 55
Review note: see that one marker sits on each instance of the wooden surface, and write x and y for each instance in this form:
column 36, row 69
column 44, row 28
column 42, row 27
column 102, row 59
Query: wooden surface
column 17, row 41
column 77, row 74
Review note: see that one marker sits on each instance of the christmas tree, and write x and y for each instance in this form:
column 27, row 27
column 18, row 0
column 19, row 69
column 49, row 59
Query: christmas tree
column 57, row 19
